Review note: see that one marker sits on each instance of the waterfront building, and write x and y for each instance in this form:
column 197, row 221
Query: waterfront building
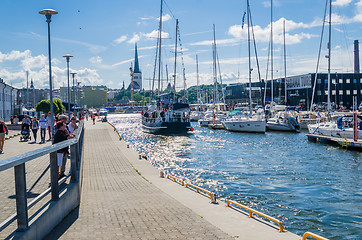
column 29, row 97
column 8, row 100
column 344, row 86
column 94, row 96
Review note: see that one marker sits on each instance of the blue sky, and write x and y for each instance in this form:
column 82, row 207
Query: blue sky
column 101, row 36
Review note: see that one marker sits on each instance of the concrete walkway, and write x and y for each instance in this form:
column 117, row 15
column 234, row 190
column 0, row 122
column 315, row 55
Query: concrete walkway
column 124, row 198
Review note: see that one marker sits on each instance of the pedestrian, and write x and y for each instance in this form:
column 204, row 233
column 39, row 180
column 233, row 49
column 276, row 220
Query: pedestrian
column 34, row 127
column 48, row 118
column 43, row 126
column 16, row 120
column 59, row 136
column 72, row 125
column 26, row 120
column 87, row 115
column 94, row 119
column 11, row 119
column 3, row 131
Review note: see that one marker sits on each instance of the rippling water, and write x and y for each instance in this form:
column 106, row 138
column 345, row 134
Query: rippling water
column 308, row 186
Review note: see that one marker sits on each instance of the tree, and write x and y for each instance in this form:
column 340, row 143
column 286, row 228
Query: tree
column 60, row 106
column 44, row 106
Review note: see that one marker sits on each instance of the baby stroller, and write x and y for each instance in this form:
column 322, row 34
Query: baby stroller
column 25, row 132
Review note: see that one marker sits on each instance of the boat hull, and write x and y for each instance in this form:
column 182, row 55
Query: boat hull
column 166, row 127
column 280, row 127
column 256, row 126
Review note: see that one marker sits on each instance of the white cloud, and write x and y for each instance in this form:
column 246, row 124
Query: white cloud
column 34, row 62
column 341, row 3
column 96, row 59
column 120, row 39
column 14, row 55
column 165, row 18
column 135, row 38
column 155, row 33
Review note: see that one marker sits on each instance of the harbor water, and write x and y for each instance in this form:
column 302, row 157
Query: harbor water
column 308, row 186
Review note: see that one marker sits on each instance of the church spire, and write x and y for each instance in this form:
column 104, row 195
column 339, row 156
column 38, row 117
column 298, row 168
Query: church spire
column 136, row 66
column 31, row 84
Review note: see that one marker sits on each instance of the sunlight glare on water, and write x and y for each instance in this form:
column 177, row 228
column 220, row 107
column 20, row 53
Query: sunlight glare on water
column 308, row 186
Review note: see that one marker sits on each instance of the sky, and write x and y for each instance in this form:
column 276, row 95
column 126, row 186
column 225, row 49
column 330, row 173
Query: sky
column 101, row 35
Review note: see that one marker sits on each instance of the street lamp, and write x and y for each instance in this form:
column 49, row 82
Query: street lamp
column 78, row 93
column 68, row 56
column 48, row 14
column 73, row 88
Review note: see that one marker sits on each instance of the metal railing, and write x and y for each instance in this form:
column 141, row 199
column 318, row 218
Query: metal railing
column 115, row 129
column 313, row 235
column 198, row 189
column 175, row 179
column 251, row 211
column 18, row 163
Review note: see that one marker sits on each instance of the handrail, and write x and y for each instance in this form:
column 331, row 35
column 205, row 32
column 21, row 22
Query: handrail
column 18, row 162
column 198, row 189
column 115, row 129
column 25, row 157
column 175, row 179
column 313, row 235
column 251, row 211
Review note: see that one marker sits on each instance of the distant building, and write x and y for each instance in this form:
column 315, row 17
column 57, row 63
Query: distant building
column 30, row 97
column 112, row 94
column 137, row 74
column 94, row 96
column 344, row 86
column 8, row 100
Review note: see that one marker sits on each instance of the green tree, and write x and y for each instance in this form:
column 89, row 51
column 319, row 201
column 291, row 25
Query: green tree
column 44, row 106
column 60, row 106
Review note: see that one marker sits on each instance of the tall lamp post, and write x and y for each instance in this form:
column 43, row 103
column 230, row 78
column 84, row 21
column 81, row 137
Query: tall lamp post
column 67, row 57
column 73, row 88
column 48, row 14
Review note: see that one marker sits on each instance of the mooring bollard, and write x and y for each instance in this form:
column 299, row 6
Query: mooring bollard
column 162, row 175
column 140, row 157
column 127, row 145
column 213, row 198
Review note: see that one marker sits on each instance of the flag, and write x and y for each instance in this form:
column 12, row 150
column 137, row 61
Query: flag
column 242, row 23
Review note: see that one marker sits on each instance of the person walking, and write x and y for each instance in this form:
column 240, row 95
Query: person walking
column 61, row 135
column 16, row 120
column 34, row 127
column 48, row 118
column 94, row 119
column 43, row 127
column 3, row 131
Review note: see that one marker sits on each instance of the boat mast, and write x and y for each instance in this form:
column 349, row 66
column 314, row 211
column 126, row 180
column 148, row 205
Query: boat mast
column 197, row 80
column 159, row 50
column 216, row 95
column 174, row 72
column 248, row 17
column 271, row 49
column 285, row 67
column 329, row 56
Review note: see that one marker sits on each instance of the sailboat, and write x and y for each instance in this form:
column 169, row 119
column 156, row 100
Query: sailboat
column 249, row 123
column 282, row 120
column 343, row 127
column 170, row 114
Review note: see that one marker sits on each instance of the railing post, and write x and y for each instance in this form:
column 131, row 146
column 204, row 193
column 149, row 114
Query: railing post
column 73, row 161
column 21, row 201
column 54, row 175
column 77, row 154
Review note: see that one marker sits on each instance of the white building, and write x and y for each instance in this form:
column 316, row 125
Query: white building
column 8, row 100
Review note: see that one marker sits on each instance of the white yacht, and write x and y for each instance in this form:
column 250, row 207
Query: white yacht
column 245, row 124
column 282, row 121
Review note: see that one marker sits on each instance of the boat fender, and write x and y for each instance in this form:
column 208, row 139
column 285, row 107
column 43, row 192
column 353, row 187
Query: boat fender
column 191, row 129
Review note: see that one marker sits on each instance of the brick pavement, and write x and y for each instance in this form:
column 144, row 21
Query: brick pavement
column 117, row 203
